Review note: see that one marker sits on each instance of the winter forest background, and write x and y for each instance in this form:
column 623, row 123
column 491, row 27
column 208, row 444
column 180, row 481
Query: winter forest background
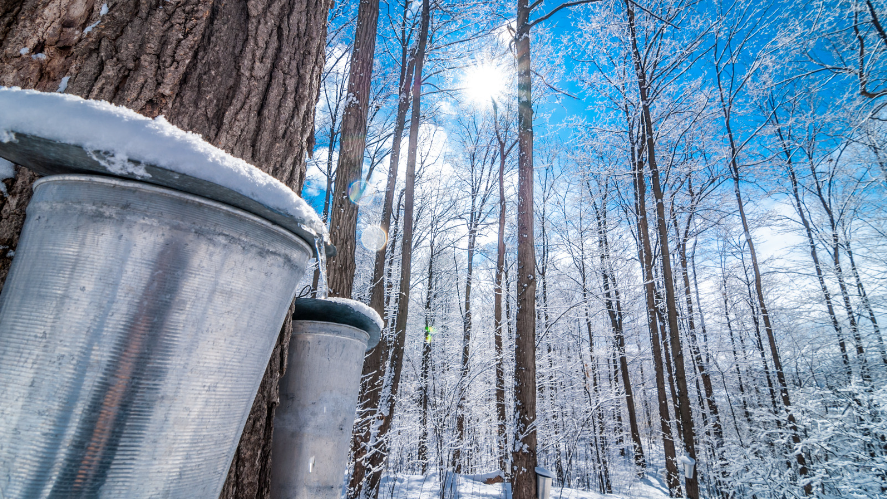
column 751, row 170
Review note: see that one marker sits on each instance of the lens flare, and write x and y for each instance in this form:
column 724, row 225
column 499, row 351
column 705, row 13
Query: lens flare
column 373, row 238
column 361, row 193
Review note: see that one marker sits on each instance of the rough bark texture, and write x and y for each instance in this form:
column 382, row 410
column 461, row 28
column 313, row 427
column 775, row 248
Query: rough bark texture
column 243, row 75
column 645, row 252
column 343, row 216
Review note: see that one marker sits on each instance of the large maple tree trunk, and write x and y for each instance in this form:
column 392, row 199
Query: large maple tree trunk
column 243, row 75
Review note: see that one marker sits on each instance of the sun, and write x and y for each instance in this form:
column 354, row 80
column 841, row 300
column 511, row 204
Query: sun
column 483, row 82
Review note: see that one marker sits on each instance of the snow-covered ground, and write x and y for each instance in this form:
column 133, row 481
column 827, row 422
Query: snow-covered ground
column 464, row 487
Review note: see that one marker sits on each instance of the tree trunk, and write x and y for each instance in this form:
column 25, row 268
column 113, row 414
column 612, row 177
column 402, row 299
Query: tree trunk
column 373, row 363
column 799, row 207
column 426, row 361
column 246, row 77
column 839, row 274
column 701, row 365
column 352, row 142
column 686, row 418
column 466, row 345
column 523, row 458
column 614, row 311
column 377, row 460
column 646, row 256
column 865, row 301
column 774, row 352
column 497, row 307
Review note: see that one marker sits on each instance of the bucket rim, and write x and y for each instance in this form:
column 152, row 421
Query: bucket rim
column 319, row 310
column 48, row 158
column 170, row 192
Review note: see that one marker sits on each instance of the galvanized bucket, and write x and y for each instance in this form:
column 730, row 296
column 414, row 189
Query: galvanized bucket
column 318, row 400
column 135, row 326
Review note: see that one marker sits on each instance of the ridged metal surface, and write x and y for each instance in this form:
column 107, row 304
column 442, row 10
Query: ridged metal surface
column 318, row 399
column 135, row 326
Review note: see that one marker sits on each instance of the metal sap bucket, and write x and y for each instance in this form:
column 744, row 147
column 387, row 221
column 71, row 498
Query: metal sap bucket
column 135, row 326
column 543, row 483
column 318, row 399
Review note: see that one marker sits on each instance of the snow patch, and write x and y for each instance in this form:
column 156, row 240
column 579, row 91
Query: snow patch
column 117, row 134
column 63, row 85
column 39, row 57
column 360, row 308
column 24, row 51
column 7, row 170
column 102, row 12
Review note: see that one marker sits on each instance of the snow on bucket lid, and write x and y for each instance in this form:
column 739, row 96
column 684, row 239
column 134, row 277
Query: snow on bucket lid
column 340, row 311
column 52, row 133
column 544, row 472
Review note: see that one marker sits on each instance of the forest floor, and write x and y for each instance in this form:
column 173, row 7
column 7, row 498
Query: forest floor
column 469, row 487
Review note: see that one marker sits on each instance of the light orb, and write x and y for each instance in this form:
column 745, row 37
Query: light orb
column 373, row 238
column 361, row 193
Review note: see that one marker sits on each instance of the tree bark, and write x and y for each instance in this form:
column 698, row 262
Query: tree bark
column 374, row 362
column 497, row 305
column 352, row 142
column 377, row 460
column 243, row 75
column 759, row 290
column 646, row 256
column 614, row 312
column 426, row 361
column 523, row 458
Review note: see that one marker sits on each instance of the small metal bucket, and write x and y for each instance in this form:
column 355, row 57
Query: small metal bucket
column 318, row 400
column 135, row 326
column 543, row 483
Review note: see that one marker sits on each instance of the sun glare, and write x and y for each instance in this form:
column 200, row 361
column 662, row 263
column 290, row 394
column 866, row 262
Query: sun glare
column 483, row 82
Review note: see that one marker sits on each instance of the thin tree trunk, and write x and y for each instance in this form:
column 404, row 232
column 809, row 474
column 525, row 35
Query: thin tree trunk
column 497, row 306
column 762, row 306
column 466, row 346
column 426, row 361
column 842, row 283
column 813, row 253
column 377, row 460
column 686, row 418
column 374, row 362
column 646, row 257
column 865, row 301
column 701, row 365
column 735, row 358
column 352, row 142
column 614, row 311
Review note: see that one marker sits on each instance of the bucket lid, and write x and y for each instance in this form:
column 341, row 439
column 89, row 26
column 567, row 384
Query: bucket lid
column 340, row 311
column 52, row 133
column 544, row 472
